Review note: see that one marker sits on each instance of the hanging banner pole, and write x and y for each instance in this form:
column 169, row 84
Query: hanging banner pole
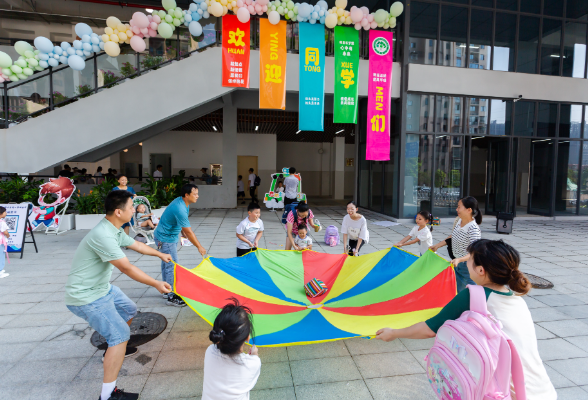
column 235, row 52
column 379, row 92
column 272, row 64
column 311, row 95
column 346, row 73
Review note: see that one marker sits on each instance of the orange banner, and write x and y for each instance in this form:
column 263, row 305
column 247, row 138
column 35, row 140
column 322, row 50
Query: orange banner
column 235, row 52
column 272, row 64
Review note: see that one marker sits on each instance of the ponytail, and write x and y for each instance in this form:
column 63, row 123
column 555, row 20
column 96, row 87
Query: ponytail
column 428, row 217
column 471, row 202
column 501, row 263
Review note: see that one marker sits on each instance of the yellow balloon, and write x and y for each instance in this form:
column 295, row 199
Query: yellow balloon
column 341, row 3
column 128, row 41
column 114, row 38
column 108, row 30
column 340, row 12
column 348, row 20
column 112, row 49
column 225, row 10
column 115, row 32
column 341, row 20
column 331, row 21
column 216, row 9
column 112, row 22
column 223, row 2
column 122, row 36
column 130, row 34
column 106, row 38
column 121, row 27
column 234, row 4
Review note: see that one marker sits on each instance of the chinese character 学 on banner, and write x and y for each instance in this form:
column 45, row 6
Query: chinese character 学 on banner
column 346, row 67
column 235, row 52
column 272, row 64
column 312, row 77
column 379, row 91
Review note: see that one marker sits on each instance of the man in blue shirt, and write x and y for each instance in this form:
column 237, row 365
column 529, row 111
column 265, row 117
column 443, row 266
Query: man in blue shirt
column 173, row 221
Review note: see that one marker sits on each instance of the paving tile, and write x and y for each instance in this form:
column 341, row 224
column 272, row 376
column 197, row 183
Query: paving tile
column 557, row 300
column 572, row 393
column 547, row 314
column 42, row 371
column 306, row 372
column 180, row 360
column 356, row 390
column 406, row 387
column 5, row 319
column 573, row 369
column 173, row 385
column 566, row 328
column 418, row 344
column 372, row 346
column 272, row 354
column 274, row 375
column 15, row 309
column 55, row 350
column 186, row 340
column 387, row 364
column 320, row 350
column 285, row 393
column 557, row 379
column 575, row 311
column 140, row 364
column 32, row 320
column 20, row 335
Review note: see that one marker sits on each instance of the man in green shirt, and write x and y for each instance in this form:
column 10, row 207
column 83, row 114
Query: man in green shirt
column 89, row 294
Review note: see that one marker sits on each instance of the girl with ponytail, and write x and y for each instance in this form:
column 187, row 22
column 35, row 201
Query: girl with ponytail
column 229, row 373
column 494, row 265
column 465, row 232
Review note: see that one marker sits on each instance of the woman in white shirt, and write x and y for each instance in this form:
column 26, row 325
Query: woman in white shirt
column 230, row 374
column 466, row 232
column 354, row 226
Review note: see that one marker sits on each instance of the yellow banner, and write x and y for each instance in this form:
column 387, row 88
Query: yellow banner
column 272, row 64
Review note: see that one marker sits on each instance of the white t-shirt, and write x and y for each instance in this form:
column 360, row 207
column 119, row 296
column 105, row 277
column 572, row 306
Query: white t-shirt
column 424, row 236
column 291, row 184
column 251, row 180
column 228, row 378
column 355, row 229
column 157, row 174
column 3, row 228
column 249, row 230
column 279, row 189
column 240, row 186
column 303, row 243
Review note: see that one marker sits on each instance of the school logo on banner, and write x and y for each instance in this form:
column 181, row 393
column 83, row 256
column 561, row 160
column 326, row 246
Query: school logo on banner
column 379, row 91
column 346, row 67
column 312, row 77
column 272, row 64
column 235, row 52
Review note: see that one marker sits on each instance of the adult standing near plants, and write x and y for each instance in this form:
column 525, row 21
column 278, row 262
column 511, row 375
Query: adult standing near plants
column 123, row 185
column 158, row 174
column 173, row 221
column 90, row 296
column 291, row 183
column 465, row 232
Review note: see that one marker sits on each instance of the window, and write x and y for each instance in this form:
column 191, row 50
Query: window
column 418, row 105
column 471, row 56
column 553, row 8
column 409, row 102
column 458, row 63
column 430, row 56
column 409, row 116
column 500, row 117
column 473, row 108
column 424, row 19
column 570, row 120
column 456, row 163
column 546, row 119
column 482, row 46
column 457, row 106
column 528, row 45
column 454, row 25
column 412, row 45
column 409, row 127
column 577, row 9
column 531, row 6
column 574, row 50
column 504, row 42
column 458, row 52
column 447, row 57
column 427, row 101
column 550, row 47
column 430, row 42
column 481, row 57
column 507, row 4
column 482, row 108
column 448, row 118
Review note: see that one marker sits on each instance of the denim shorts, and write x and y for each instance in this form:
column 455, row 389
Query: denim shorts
column 109, row 315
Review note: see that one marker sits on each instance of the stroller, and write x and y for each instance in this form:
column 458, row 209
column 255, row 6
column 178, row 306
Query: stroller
column 137, row 228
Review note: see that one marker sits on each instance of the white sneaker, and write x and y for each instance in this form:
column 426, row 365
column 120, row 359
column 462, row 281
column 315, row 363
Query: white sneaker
column 4, row 275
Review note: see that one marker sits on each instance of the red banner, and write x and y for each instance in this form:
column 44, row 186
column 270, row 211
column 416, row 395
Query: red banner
column 235, row 52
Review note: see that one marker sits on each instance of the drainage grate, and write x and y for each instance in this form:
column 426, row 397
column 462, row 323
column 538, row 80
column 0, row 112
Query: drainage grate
column 144, row 328
column 538, row 282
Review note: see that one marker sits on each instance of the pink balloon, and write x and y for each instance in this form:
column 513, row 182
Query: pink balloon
column 139, row 35
column 152, row 33
column 367, row 27
column 251, row 9
column 374, row 25
column 136, row 30
column 137, row 44
column 153, row 25
column 150, row 17
column 248, row 2
column 365, row 10
column 240, row 3
column 140, row 19
column 264, row 8
column 258, row 7
column 364, row 22
column 243, row 15
column 156, row 19
column 370, row 18
column 357, row 26
column 263, row 2
column 356, row 15
column 144, row 31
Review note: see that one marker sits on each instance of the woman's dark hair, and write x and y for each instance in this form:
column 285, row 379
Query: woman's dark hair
column 428, row 217
column 302, row 226
column 302, row 207
column 99, row 169
column 352, row 202
column 2, row 210
column 240, row 176
column 501, row 263
column 471, row 202
column 232, row 327
column 120, row 176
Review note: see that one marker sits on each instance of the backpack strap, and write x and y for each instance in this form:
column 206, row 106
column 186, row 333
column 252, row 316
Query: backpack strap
column 478, row 299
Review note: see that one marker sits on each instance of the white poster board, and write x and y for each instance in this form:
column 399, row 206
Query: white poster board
column 16, row 219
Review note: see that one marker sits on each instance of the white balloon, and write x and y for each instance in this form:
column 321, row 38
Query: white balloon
column 274, row 17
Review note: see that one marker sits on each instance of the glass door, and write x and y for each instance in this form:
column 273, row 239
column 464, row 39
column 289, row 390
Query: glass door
column 497, row 175
column 376, row 186
column 541, row 177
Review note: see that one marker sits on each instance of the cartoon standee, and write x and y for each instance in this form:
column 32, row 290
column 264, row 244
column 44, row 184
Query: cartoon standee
column 46, row 214
column 275, row 199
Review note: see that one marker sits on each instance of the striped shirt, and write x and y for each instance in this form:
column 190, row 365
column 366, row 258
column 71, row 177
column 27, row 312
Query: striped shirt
column 461, row 238
column 290, row 220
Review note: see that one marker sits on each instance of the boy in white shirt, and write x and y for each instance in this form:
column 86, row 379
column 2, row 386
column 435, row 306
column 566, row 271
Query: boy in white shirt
column 4, row 235
column 249, row 231
column 421, row 233
column 302, row 241
column 240, row 189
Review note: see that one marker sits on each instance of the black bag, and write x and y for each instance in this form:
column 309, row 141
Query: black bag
column 504, row 222
column 449, row 248
column 257, row 180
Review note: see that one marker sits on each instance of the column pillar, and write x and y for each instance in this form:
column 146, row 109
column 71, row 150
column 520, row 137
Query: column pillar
column 229, row 155
column 339, row 175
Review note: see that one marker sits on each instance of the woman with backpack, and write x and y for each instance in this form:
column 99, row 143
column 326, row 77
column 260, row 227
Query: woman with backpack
column 299, row 215
column 494, row 266
column 355, row 227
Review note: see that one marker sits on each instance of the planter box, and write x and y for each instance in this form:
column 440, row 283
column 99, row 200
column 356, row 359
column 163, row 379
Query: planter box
column 158, row 212
column 88, row 221
column 67, row 222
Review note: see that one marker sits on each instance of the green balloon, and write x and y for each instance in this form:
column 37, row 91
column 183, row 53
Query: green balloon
column 14, row 78
column 178, row 13
column 39, row 68
column 28, row 71
column 177, row 22
column 21, row 76
column 32, row 62
column 21, row 47
column 37, row 51
column 167, row 4
column 29, row 54
column 7, row 71
column 16, row 69
column 161, row 14
column 5, row 61
column 290, row 5
column 165, row 30
column 286, row 16
column 381, row 16
column 169, row 19
column 281, row 10
column 21, row 63
column 295, row 10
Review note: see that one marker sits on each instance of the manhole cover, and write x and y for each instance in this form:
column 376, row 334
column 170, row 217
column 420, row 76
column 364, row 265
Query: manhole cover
column 538, row 282
column 144, row 328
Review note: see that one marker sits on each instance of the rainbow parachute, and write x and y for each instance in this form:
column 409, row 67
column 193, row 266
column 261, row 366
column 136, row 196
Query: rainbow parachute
column 388, row 288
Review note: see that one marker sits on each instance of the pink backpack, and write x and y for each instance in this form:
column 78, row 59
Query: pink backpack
column 473, row 359
column 332, row 236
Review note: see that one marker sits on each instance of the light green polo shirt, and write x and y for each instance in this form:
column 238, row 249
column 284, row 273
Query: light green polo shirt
column 89, row 278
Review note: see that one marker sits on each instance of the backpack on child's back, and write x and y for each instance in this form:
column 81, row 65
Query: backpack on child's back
column 287, row 209
column 332, row 236
column 473, row 359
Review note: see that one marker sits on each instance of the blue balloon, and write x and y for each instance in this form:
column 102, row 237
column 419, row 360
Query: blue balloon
column 79, row 53
column 83, row 29
column 71, row 51
column 43, row 57
column 43, row 64
column 196, row 16
column 188, row 18
column 87, row 53
column 322, row 20
column 76, row 63
column 193, row 7
column 65, row 45
column 63, row 59
column 314, row 15
column 43, row 44
column 56, row 56
column 86, row 39
column 53, row 62
column 203, row 6
column 95, row 48
column 101, row 45
column 304, row 10
column 95, row 40
column 77, row 44
column 87, row 47
column 195, row 28
column 57, row 50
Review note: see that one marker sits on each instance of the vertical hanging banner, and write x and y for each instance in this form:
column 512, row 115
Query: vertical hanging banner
column 346, row 67
column 235, row 52
column 272, row 64
column 379, row 92
column 311, row 94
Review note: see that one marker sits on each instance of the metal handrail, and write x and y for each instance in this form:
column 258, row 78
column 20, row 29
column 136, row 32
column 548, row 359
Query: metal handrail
column 291, row 45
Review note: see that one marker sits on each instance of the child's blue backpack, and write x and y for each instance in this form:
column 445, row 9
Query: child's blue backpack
column 332, row 236
column 287, row 209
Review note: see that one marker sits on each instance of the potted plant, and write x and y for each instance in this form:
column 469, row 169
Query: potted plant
column 90, row 207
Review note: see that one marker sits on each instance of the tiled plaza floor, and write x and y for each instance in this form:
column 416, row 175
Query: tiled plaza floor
column 45, row 351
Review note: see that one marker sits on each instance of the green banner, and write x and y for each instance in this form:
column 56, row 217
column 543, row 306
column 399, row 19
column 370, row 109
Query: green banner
column 346, row 76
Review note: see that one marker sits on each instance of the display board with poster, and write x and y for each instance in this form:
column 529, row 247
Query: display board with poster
column 17, row 222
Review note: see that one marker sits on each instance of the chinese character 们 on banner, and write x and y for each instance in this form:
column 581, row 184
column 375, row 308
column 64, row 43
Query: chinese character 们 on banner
column 272, row 64
column 312, row 77
column 379, row 91
column 346, row 67
column 235, row 52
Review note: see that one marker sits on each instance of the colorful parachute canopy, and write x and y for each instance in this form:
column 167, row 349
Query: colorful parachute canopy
column 388, row 288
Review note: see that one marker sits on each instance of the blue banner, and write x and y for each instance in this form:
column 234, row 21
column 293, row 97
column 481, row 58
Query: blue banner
column 311, row 108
